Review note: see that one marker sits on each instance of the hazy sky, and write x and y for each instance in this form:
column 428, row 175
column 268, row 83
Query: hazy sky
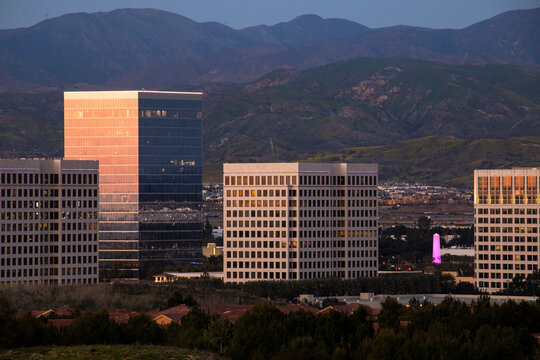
column 243, row 13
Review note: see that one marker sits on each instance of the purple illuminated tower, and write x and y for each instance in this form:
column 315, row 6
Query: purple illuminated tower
column 436, row 249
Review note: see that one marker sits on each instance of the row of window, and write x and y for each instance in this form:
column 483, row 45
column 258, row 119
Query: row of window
column 85, row 280
column 506, row 248
column 516, row 239
column 505, row 211
column 509, row 220
column 508, row 190
column 46, row 215
column 37, row 227
column 26, row 238
column 51, row 179
column 507, row 257
column 498, row 275
column 487, row 284
column 507, row 229
column 507, row 266
column 28, row 193
column 24, row 204
column 54, row 204
column 304, row 180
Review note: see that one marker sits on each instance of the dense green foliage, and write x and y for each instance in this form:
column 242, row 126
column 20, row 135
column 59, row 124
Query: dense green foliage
column 450, row 330
column 210, row 292
column 526, row 286
column 383, row 284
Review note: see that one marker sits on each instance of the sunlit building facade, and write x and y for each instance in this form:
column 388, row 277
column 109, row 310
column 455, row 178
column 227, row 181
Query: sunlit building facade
column 290, row 221
column 149, row 145
column 506, row 212
column 48, row 222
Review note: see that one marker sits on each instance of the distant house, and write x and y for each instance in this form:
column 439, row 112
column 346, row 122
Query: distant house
column 164, row 277
column 346, row 309
column 64, row 311
column 167, row 316
column 121, row 316
column 232, row 312
column 172, row 276
column 42, row 313
column 290, row 308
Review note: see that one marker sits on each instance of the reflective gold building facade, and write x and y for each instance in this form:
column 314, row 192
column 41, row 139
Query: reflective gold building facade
column 149, row 146
column 506, row 232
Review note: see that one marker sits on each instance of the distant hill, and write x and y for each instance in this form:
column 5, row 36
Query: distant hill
column 368, row 102
column 418, row 119
column 134, row 48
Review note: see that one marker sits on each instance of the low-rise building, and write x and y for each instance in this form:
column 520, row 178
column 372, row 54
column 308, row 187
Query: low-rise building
column 212, row 249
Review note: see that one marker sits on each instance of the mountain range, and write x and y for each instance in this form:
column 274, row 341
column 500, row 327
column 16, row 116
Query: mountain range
column 420, row 120
column 134, row 48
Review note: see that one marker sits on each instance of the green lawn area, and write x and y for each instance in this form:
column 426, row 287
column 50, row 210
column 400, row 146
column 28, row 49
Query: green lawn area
column 106, row 352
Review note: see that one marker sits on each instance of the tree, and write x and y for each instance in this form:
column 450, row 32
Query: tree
column 258, row 333
column 7, row 322
column 218, row 334
column 207, row 232
column 466, row 288
column 424, row 223
column 93, row 328
column 140, row 329
column 390, row 314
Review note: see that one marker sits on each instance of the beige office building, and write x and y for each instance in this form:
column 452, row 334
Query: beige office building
column 299, row 221
column 506, row 211
column 48, row 222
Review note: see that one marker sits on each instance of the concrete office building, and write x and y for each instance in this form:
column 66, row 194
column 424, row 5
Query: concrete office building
column 149, row 145
column 48, row 222
column 506, row 212
column 299, row 221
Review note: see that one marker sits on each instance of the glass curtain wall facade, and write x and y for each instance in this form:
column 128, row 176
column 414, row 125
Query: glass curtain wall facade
column 149, row 145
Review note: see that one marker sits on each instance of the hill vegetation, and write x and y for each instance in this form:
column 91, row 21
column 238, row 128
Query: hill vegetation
column 420, row 120
column 417, row 119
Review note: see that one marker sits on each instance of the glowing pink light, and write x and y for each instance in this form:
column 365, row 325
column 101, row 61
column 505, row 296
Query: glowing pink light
column 436, row 249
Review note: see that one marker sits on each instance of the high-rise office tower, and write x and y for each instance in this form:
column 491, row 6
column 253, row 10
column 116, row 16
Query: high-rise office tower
column 148, row 144
column 506, row 226
column 48, row 222
column 299, row 221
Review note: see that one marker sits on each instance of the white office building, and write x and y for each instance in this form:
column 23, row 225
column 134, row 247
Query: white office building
column 299, row 221
column 506, row 212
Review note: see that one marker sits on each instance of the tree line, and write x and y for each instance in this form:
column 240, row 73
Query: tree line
column 383, row 284
column 450, row 330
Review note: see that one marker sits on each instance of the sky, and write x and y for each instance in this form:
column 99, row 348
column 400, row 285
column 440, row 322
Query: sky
column 243, row 13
